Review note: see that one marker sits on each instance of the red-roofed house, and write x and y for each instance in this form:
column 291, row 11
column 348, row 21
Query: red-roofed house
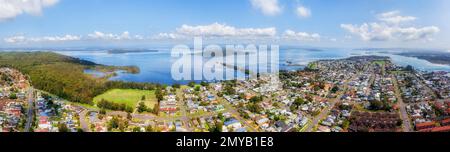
column 426, row 125
column 441, row 129
column 445, row 122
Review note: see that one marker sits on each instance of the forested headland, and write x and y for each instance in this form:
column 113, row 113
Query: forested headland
column 64, row 76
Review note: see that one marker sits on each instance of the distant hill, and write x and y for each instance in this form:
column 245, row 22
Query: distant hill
column 431, row 56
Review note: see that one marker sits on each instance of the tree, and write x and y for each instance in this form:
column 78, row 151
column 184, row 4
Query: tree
column 13, row 96
column 113, row 123
column 345, row 124
column 316, row 88
column 376, row 105
column 149, row 128
column 137, row 129
column 129, row 116
column 254, row 107
column 335, row 89
column 159, row 94
column 129, row 109
column 293, row 107
column 62, row 127
column 399, row 122
column 229, row 90
column 203, row 83
column 217, row 127
column 45, row 96
column 102, row 111
column 220, row 116
column 309, row 98
column 142, row 107
column 191, row 84
column 409, row 68
column 299, row 101
column 176, row 85
column 197, row 88
column 256, row 99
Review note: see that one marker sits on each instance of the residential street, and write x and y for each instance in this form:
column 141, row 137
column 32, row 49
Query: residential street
column 402, row 107
column 324, row 112
column 30, row 114
column 83, row 123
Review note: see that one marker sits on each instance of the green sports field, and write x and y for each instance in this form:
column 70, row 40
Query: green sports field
column 130, row 97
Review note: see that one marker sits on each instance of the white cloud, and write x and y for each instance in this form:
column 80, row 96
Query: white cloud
column 303, row 12
column 168, row 36
column 394, row 17
column 93, row 36
column 268, row 7
column 15, row 39
column 23, row 39
column 390, row 27
column 217, row 30
column 110, row 36
column 63, row 38
column 301, row 36
column 139, row 37
column 9, row 9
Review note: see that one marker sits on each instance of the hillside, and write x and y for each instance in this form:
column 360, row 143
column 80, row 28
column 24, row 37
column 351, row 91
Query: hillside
column 63, row 75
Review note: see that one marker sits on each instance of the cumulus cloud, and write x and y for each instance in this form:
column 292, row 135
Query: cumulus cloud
column 217, row 30
column 394, row 17
column 301, row 36
column 267, row 7
column 111, row 36
column 23, row 39
column 303, row 12
column 100, row 36
column 390, row 26
column 9, row 9
column 168, row 36
column 58, row 38
column 15, row 39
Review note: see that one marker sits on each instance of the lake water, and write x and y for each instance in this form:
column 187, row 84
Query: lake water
column 156, row 67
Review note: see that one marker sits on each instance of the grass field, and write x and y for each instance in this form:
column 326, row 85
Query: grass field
column 128, row 96
column 312, row 65
column 379, row 62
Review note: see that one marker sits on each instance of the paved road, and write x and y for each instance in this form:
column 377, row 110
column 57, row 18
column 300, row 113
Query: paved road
column 30, row 110
column 403, row 113
column 183, row 117
column 83, row 123
column 324, row 112
column 229, row 108
column 182, row 106
column 237, row 115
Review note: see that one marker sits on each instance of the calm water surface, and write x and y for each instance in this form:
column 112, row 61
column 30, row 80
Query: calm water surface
column 156, row 66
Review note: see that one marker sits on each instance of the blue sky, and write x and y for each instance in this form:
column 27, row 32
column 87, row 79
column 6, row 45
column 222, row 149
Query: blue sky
column 328, row 23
